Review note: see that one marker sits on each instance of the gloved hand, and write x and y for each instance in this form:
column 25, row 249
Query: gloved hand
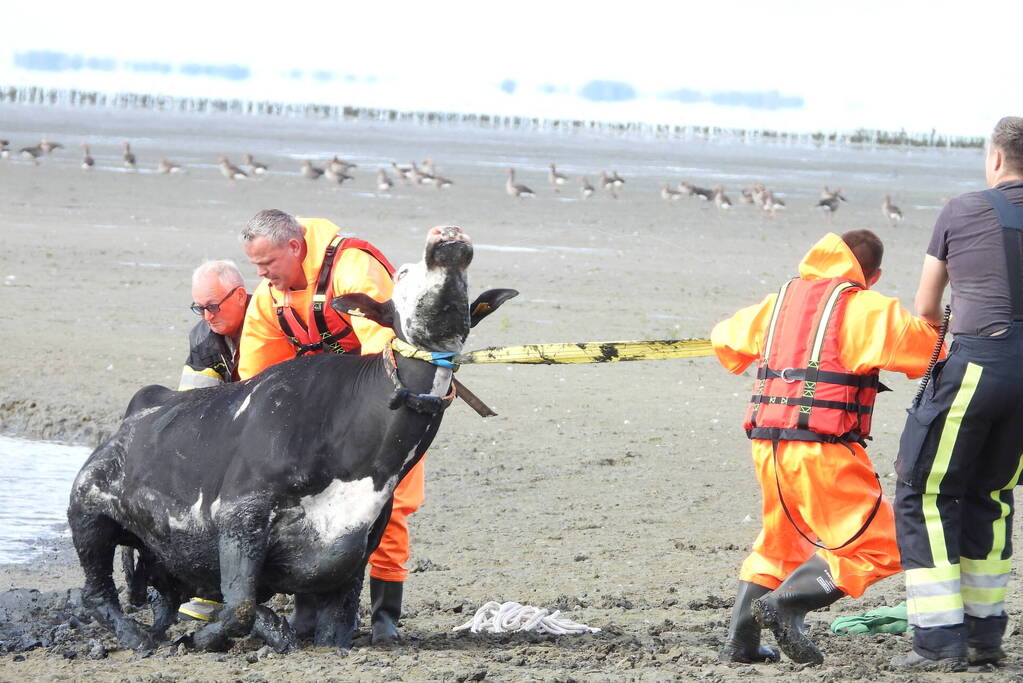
column 880, row 620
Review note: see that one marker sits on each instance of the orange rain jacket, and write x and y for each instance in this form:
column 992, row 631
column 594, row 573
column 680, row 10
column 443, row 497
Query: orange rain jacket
column 263, row 344
column 830, row 489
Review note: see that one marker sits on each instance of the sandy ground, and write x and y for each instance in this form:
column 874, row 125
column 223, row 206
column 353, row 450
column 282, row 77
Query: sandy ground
column 622, row 494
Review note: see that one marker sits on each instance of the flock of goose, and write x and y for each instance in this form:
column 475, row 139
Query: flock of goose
column 338, row 171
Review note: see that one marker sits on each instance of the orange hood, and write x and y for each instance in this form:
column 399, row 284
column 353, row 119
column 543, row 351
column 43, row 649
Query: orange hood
column 829, row 258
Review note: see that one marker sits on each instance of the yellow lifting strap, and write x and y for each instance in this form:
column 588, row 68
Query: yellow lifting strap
column 589, row 352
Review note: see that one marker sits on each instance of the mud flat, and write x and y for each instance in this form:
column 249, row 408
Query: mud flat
column 622, row 494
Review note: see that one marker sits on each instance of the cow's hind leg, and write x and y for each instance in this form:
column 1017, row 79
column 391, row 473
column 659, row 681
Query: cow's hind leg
column 95, row 537
column 338, row 616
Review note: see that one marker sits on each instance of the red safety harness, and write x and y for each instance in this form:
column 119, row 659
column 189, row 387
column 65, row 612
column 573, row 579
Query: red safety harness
column 327, row 330
column 802, row 391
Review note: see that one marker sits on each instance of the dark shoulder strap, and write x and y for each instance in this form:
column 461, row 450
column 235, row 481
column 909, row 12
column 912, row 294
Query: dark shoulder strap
column 1011, row 218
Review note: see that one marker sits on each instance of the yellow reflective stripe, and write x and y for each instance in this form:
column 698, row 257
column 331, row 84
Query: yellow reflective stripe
column 942, row 457
column 998, row 526
column 936, row 603
column 994, row 567
column 822, row 326
column 948, row 572
column 198, row 379
column 984, row 596
column 774, row 321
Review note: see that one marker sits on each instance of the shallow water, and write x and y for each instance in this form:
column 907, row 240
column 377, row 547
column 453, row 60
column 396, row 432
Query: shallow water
column 36, row 480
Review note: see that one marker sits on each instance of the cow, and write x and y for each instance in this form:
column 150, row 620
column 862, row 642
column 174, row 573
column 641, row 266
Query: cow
column 281, row 483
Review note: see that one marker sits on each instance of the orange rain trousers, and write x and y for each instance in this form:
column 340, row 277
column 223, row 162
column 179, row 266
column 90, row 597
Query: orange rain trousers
column 388, row 561
column 829, row 489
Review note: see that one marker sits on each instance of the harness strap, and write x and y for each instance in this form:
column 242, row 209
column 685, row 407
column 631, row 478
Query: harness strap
column 1011, row 218
column 826, row 376
column 781, row 499
column 429, row 404
column 780, row 434
column 804, row 401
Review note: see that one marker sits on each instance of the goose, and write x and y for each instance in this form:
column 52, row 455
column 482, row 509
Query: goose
column 585, row 188
column 419, row 176
column 87, row 161
column 771, row 203
column 428, row 167
column 668, row 193
column 516, row 189
column 128, row 156
column 384, row 182
column 703, row 193
column 48, row 146
column 403, row 172
column 4, row 151
column 168, row 167
column 230, row 171
column 607, row 184
column 721, row 200
column 685, row 189
column 830, row 205
column 33, row 153
column 311, row 172
column 891, row 212
column 554, row 178
column 746, row 195
column 340, row 165
column 255, row 168
column 335, row 173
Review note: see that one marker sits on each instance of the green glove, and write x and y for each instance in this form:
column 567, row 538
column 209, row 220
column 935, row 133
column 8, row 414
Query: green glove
column 880, row 620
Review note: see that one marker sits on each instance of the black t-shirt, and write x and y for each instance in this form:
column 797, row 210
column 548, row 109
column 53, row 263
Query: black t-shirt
column 968, row 237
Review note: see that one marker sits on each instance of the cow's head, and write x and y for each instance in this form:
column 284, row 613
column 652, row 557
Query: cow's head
column 429, row 307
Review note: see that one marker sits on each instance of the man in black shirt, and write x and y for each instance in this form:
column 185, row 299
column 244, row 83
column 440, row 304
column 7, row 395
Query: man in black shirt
column 219, row 296
column 960, row 453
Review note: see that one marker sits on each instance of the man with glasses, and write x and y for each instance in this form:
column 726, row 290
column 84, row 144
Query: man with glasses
column 219, row 296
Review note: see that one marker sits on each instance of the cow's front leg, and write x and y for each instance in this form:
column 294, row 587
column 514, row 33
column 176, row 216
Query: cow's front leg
column 338, row 616
column 241, row 559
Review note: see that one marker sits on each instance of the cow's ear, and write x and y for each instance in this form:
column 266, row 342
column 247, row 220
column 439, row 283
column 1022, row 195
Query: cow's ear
column 488, row 302
column 365, row 306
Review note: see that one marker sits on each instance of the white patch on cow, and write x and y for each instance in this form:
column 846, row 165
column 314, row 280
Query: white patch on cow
column 241, row 409
column 97, row 495
column 344, row 506
column 214, row 507
column 441, row 381
column 190, row 520
column 417, row 281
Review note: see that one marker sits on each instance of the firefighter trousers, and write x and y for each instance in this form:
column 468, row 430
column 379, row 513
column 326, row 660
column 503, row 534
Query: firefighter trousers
column 388, row 561
column 831, row 492
column 959, row 459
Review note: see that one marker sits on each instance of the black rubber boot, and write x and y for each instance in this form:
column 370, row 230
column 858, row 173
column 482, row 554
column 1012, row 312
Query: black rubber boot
column 743, row 644
column 385, row 605
column 808, row 588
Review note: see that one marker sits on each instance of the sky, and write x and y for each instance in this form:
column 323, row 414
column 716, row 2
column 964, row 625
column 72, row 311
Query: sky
column 893, row 65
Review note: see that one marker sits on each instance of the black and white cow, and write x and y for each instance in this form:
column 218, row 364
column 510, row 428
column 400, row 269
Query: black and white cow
column 278, row 484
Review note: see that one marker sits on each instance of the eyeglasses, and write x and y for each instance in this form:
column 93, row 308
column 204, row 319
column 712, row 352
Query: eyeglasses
column 214, row 309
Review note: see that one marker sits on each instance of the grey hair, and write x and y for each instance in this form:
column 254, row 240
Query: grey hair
column 226, row 271
column 275, row 225
column 1008, row 137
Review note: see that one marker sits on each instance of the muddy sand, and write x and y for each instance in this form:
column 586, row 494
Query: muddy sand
column 622, row 494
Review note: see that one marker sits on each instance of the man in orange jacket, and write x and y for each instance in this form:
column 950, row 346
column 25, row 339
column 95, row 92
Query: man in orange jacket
column 819, row 344
column 304, row 263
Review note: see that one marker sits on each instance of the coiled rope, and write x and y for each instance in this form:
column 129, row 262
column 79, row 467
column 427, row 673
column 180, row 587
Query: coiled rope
column 506, row 617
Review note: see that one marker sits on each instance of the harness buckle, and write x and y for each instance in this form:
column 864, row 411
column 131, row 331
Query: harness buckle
column 784, row 378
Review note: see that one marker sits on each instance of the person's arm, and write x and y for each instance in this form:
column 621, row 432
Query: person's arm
column 933, row 278
column 357, row 271
column 262, row 342
column 739, row 340
column 879, row 334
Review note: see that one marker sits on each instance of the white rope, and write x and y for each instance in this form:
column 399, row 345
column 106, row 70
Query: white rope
column 496, row 617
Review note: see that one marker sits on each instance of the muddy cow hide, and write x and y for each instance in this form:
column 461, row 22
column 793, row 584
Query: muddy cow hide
column 278, row 484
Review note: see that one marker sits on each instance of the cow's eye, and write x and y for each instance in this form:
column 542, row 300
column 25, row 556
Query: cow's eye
column 401, row 272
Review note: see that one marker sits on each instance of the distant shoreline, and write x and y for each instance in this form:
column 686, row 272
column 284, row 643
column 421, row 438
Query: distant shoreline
column 861, row 137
